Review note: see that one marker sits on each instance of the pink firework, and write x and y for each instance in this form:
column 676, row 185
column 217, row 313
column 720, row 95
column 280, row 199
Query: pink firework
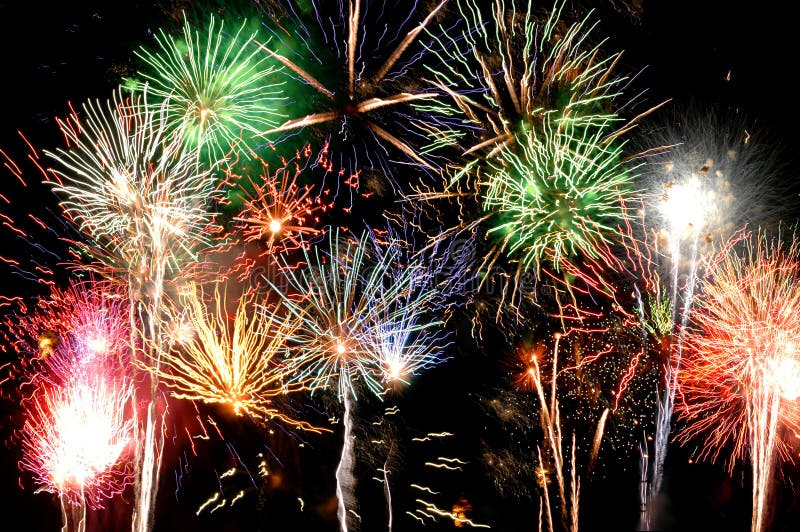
column 77, row 440
column 82, row 327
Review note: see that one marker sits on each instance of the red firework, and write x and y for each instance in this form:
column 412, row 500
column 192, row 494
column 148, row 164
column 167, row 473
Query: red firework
column 279, row 212
column 744, row 342
column 740, row 378
column 77, row 440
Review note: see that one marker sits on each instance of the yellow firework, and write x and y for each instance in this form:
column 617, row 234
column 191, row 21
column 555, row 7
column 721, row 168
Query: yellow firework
column 227, row 358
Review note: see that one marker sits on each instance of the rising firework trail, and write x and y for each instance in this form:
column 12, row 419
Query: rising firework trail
column 550, row 419
column 684, row 207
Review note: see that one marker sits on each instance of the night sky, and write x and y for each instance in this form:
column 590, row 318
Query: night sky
column 701, row 53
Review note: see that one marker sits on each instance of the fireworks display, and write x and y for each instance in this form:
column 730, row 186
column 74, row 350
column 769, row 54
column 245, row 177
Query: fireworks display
column 396, row 265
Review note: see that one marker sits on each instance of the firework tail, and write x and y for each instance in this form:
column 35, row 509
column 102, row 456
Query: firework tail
column 344, row 472
column 666, row 399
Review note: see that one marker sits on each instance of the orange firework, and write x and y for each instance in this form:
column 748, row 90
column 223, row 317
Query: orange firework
column 279, row 212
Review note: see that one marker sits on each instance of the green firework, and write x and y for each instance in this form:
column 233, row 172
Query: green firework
column 220, row 87
column 557, row 196
column 660, row 319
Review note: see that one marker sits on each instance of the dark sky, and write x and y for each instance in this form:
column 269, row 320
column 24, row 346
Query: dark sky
column 709, row 52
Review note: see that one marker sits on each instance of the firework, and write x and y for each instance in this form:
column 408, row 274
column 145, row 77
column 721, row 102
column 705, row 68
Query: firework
column 130, row 185
column 506, row 71
column 574, row 387
column 134, row 189
column 708, row 173
column 219, row 87
column 229, row 359
column 404, row 333
column 546, row 167
column 361, row 82
column 739, row 381
column 357, row 304
column 278, row 214
column 556, row 201
column 77, row 438
column 73, row 328
column 360, row 313
column 76, row 396
column 550, row 419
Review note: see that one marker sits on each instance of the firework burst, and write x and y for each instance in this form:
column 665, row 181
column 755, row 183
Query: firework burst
column 131, row 186
column 506, row 70
column 77, row 438
column 279, row 213
column 86, row 317
column 220, row 89
column 358, row 306
column 557, row 201
column 546, row 165
column 361, row 82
